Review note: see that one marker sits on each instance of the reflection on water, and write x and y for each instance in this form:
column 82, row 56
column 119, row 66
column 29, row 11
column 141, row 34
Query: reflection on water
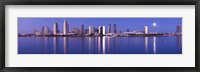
column 45, row 44
column 154, row 45
column 90, row 44
column 65, row 44
column 109, row 45
column 104, row 45
column 100, row 45
column 54, row 44
column 146, row 44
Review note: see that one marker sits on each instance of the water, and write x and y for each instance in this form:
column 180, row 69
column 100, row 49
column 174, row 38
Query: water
column 100, row 45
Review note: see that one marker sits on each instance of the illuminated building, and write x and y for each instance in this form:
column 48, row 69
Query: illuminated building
column 91, row 30
column 46, row 31
column 109, row 28
column 103, row 30
column 65, row 27
column 145, row 29
column 55, row 28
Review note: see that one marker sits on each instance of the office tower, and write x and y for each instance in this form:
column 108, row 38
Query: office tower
column 75, row 31
column 127, row 30
column 115, row 28
column 42, row 30
column 91, row 30
column 109, row 28
column 82, row 32
column 104, row 30
column 178, row 29
column 145, row 29
column 46, row 31
column 55, row 28
column 65, row 27
column 100, row 30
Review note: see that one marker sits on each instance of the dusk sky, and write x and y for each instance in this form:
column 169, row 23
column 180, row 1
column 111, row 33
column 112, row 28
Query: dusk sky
column 26, row 25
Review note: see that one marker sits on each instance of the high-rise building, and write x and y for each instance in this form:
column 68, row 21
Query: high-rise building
column 46, row 31
column 109, row 28
column 178, row 29
column 75, row 31
column 55, row 28
column 104, row 30
column 91, row 30
column 65, row 27
column 145, row 29
column 115, row 28
column 100, row 30
column 82, row 30
column 42, row 30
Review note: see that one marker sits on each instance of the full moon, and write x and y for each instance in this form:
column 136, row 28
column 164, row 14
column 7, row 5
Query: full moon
column 154, row 24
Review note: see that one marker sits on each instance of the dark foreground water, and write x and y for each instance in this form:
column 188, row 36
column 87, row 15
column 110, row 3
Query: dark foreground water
column 100, row 45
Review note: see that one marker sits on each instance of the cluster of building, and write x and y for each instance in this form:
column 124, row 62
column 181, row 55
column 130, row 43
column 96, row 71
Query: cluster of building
column 91, row 31
column 99, row 31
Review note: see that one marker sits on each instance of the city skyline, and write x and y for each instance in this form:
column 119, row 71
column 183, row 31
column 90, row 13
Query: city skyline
column 158, row 24
column 104, row 36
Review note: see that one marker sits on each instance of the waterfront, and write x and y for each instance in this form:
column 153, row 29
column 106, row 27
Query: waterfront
column 100, row 45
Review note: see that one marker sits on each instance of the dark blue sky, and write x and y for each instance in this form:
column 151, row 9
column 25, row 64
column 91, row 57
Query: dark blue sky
column 26, row 25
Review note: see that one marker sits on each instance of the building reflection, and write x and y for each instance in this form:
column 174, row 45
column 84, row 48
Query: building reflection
column 104, row 45
column 109, row 44
column 65, row 44
column 46, row 44
column 90, row 44
column 82, row 44
column 114, row 41
column 179, row 43
column 154, row 45
column 55, row 44
column 146, row 44
column 99, row 45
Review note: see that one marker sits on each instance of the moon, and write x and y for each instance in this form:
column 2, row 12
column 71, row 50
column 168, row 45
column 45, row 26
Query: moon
column 154, row 24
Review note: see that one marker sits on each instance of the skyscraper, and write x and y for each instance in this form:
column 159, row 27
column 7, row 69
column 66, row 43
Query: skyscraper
column 65, row 27
column 82, row 30
column 178, row 29
column 55, row 28
column 46, row 31
column 91, row 30
column 115, row 28
column 42, row 30
column 100, row 30
column 75, row 31
column 104, row 30
column 145, row 29
column 109, row 28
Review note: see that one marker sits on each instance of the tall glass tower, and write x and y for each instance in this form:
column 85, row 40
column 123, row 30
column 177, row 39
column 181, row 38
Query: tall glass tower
column 65, row 27
column 115, row 28
column 82, row 29
column 55, row 28
column 109, row 28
